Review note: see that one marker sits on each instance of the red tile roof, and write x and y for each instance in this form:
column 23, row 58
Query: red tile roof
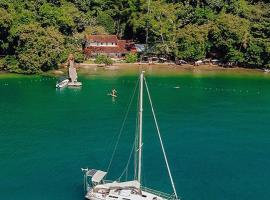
column 102, row 38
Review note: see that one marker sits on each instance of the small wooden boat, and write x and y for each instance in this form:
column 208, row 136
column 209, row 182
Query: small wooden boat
column 62, row 83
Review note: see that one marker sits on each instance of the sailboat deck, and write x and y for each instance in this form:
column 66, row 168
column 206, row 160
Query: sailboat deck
column 158, row 193
column 152, row 191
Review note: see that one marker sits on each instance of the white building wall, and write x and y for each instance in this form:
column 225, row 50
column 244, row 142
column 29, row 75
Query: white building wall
column 103, row 44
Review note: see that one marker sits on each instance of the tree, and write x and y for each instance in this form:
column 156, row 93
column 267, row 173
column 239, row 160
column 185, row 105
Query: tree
column 38, row 48
column 131, row 58
column 231, row 30
column 11, row 64
column 229, row 37
column 103, row 59
column 192, row 42
column 5, row 25
column 254, row 54
column 73, row 45
column 95, row 30
column 161, row 21
column 105, row 20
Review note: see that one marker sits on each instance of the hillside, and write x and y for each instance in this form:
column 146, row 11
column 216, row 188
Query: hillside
column 37, row 35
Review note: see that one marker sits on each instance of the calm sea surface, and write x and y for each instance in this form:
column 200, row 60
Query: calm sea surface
column 215, row 127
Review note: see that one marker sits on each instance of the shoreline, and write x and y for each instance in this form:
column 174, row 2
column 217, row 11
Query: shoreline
column 166, row 68
column 159, row 68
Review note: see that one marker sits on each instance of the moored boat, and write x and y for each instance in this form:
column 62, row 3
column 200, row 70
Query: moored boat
column 98, row 188
column 62, row 83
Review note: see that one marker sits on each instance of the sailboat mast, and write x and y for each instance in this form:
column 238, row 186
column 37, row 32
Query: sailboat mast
column 140, row 128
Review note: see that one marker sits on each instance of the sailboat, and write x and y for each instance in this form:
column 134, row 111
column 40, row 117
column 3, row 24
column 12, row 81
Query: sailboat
column 97, row 188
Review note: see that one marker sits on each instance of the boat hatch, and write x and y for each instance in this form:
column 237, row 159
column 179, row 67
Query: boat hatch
column 97, row 175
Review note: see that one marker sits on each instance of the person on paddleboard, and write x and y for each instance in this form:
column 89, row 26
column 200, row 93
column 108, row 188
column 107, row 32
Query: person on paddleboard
column 113, row 93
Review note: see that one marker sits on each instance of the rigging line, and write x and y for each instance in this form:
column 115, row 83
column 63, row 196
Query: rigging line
column 130, row 155
column 135, row 147
column 136, row 140
column 160, row 139
column 122, row 127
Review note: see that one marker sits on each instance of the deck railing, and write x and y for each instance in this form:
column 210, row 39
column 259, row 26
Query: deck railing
column 159, row 193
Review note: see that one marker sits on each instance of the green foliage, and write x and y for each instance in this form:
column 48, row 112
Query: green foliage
column 229, row 36
column 192, row 41
column 40, row 34
column 95, row 30
column 254, row 54
column 104, row 19
column 11, row 64
column 72, row 45
column 131, row 58
column 66, row 17
column 2, row 61
column 38, row 48
column 203, row 15
column 162, row 24
column 5, row 23
column 103, row 59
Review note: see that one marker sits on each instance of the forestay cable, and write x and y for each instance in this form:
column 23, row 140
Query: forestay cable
column 160, row 139
column 122, row 127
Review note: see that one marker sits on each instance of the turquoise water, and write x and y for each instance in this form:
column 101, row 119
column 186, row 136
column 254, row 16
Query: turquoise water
column 215, row 129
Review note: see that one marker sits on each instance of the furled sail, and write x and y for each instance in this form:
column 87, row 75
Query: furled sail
column 72, row 71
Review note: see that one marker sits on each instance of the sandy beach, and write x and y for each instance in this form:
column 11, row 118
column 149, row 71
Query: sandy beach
column 167, row 68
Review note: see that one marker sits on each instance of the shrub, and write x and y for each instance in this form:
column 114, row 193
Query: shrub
column 131, row 58
column 11, row 64
column 103, row 59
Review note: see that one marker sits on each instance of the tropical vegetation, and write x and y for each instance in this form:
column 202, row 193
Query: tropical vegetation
column 131, row 58
column 103, row 59
column 38, row 35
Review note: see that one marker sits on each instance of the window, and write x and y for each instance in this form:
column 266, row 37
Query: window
column 113, row 197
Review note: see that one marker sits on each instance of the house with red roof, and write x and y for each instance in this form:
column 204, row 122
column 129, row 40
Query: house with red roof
column 108, row 45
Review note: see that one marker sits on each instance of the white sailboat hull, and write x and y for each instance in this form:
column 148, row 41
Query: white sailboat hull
column 130, row 190
column 100, row 189
column 62, row 84
column 75, row 84
column 144, row 196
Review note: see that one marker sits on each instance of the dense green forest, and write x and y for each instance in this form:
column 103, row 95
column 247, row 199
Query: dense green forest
column 36, row 35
